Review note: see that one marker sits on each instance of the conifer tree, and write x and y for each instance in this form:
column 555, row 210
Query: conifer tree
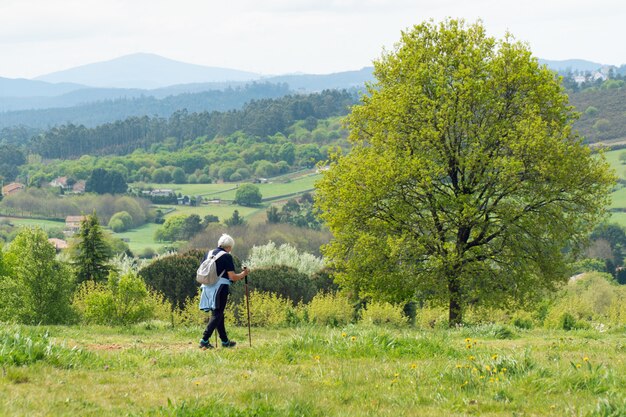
column 92, row 252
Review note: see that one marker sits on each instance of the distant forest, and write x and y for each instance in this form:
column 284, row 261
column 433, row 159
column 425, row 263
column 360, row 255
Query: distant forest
column 99, row 112
column 258, row 118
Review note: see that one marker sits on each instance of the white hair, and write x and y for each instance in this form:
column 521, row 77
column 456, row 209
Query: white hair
column 225, row 241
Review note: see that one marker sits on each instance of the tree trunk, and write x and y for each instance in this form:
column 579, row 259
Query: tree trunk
column 455, row 311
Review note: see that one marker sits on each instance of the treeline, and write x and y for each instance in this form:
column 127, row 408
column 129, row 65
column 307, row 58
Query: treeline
column 109, row 110
column 257, row 118
column 46, row 204
column 234, row 158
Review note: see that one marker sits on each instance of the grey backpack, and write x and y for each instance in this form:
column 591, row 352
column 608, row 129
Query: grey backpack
column 207, row 272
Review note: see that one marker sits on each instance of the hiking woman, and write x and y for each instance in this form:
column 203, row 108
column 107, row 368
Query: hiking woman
column 214, row 297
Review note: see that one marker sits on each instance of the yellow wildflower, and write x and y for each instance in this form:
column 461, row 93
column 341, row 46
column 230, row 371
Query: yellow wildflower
column 413, row 366
column 586, row 359
column 343, row 334
column 577, row 365
column 316, row 358
column 471, row 358
column 353, row 338
column 494, row 356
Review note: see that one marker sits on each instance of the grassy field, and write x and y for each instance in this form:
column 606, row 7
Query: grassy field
column 275, row 190
column 297, row 183
column 618, row 197
column 44, row 224
column 223, row 211
column 193, row 189
column 151, row 369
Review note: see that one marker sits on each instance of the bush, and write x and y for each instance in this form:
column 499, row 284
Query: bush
column 248, row 236
column 123, row 300
column 383, row 314
column 121, row 221
column 266, row 309
column 330, row 309
column 117, row 225
column 431, row 317
column 174, row 276
column 36, row 287
column 594, row 298
column 522, row 320
column 286, row 254
column 283, row 281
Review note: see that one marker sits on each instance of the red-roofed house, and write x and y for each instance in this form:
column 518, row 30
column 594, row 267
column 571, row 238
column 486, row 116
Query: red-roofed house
column 12, row 188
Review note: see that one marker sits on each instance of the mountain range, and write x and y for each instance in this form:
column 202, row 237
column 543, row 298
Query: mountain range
column 138, row 75
column 147, row 82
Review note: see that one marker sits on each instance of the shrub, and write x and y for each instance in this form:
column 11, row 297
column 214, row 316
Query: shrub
column 121, row 221
column 284, row 281
column 174, row 276
column 431, row 317
column 123, row 300
column 383, row 313
column 522, row 320
column 592, row 298
column 117, row 225
column 36, row 288
column 285, row 254
column 602, row 125
column 266, row 309
column 330, row 309
column 591, row 111
column 248, row 236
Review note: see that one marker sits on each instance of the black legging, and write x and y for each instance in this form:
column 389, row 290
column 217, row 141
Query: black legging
column 217, row 320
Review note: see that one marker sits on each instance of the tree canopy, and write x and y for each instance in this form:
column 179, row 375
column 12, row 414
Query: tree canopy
column 465, row 183
column 248, row 195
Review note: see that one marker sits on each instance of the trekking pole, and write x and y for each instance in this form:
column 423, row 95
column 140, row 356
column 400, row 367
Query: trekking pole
column 248, row 308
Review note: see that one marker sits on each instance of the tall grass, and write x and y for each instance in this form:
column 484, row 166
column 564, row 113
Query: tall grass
column 152, row 369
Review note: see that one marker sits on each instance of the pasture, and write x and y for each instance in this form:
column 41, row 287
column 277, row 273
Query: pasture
column 152, row 369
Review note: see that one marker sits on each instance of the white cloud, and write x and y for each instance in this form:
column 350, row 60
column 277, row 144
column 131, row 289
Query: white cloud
column 278, row 36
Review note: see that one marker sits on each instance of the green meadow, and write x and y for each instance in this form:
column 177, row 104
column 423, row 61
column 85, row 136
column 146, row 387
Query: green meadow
column 277, row 190
column 618, row 197
column 44, row 224
column 151, row 369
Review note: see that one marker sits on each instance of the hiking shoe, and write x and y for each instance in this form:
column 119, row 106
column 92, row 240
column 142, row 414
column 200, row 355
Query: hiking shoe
column 229, row 343
column 205, row 345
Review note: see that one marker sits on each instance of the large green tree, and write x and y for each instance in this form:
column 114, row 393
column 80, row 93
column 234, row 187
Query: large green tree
column 465, row 183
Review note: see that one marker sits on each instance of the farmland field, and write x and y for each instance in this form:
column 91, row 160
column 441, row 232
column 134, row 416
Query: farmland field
column 192, row 189
column 44, row 224
column 273, row 190
column 618, row 197
column 358, row 370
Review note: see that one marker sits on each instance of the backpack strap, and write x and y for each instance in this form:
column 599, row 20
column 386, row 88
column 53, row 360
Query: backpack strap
column 215, row 258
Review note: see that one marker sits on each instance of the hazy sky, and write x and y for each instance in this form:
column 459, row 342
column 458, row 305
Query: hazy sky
column 283, row 36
